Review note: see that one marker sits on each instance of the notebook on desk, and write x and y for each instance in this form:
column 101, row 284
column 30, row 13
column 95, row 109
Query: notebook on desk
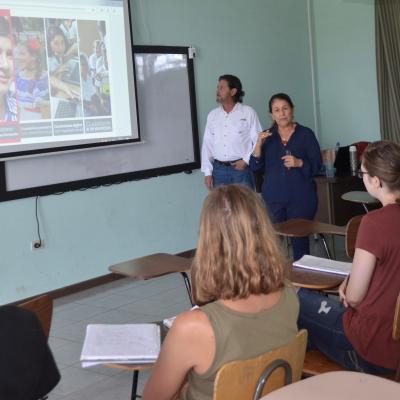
column 121, row 344
column 324, row 265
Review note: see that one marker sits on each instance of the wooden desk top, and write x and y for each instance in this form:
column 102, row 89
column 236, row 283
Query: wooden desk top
column 160, row 264
column 316, row 280
column 304, row 227
column 343, row 385
column 152, row 266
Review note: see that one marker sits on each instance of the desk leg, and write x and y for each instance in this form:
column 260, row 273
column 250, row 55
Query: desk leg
column 326, row 246
column 134, row 385
column 188, row 286
column 365, row 208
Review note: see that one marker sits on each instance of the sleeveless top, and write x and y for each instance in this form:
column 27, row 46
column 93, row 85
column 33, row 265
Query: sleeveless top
column 240, row 335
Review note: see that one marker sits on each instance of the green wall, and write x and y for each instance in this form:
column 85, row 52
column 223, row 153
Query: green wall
column 344, row 37
column 248, row 39
column 264, row 42
column 85, row 232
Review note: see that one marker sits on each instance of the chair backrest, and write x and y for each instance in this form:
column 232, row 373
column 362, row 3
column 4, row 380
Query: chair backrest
column 245, row 379
column 43, row 307
column 351, row 235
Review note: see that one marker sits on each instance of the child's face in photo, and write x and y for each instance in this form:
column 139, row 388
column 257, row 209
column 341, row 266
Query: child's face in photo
column 6, row 64
column 58, row 45
column 67, row 23
column 23, row 57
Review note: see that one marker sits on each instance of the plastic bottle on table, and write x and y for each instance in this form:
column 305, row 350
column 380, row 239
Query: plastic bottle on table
column 337, row 148
column 353, row 160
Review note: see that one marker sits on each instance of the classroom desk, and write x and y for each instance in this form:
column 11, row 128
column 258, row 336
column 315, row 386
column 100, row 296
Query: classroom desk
column 155, row 265
column 361, row 197
column 160, row 264
column 316, row 280
column 136, row 368
column 299, row 227
column 343, row 385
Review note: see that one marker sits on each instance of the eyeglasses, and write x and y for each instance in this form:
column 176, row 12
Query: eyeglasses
column 360, row 173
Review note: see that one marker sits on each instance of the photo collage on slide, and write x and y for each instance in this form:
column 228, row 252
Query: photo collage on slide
column 54, row 77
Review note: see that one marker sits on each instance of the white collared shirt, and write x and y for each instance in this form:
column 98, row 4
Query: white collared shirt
column 229, row 136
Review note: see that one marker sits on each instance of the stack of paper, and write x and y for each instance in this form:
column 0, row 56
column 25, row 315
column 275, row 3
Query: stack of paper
column 121, row 344
column 324, row 265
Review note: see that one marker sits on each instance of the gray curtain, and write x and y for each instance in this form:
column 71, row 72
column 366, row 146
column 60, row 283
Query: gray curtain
column 387, row 32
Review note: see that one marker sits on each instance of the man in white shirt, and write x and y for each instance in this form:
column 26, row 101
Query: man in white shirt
column 230, row 135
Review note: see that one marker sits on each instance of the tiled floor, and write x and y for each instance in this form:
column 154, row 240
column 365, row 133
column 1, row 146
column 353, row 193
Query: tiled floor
column 122, row 301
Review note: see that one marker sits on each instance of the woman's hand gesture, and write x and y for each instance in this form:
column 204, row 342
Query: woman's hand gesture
column 260, row 141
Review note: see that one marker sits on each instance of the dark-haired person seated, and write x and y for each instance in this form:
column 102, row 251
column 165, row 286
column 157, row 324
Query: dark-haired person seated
column 358, row 334
column 247, row 308
column 27, row 367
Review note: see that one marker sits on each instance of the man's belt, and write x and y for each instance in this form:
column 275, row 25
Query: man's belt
column 226, row 163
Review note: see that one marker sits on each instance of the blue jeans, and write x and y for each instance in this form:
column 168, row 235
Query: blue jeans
column 322, row 317
column 225, row 175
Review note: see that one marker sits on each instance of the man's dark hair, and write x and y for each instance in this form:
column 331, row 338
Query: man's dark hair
column 234, row 83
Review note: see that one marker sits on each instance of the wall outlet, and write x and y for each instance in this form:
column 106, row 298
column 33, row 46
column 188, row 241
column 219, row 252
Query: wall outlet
column 37, row 245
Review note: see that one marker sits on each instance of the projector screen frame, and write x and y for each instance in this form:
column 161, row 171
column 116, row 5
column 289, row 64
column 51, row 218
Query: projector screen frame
column 6, row 195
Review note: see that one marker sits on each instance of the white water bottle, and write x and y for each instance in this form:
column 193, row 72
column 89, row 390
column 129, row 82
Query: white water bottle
column 353, row 160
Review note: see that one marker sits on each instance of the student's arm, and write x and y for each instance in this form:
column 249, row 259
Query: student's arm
column 189, row 343
column 71, row 52
column 59, row 70
column 59, row 85
column 353, row 290
column 256, row 162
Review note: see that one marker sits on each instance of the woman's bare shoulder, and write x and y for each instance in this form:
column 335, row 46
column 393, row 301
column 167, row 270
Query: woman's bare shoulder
column 192, row 322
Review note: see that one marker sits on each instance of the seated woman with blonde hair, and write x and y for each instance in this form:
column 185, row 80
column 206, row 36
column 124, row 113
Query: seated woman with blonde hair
column 246, row 306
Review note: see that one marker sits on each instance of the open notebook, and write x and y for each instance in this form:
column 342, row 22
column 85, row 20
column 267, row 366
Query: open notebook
column 324, row 265
column 121, row 344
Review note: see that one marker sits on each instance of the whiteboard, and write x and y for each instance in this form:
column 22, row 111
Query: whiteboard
column 168, row 128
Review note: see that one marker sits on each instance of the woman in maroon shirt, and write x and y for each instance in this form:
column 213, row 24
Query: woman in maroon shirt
column 358, row 333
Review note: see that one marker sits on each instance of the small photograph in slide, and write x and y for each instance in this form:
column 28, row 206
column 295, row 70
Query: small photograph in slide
column 31, row 77
column 64, row 68
column 94, row 68
column 8, row 102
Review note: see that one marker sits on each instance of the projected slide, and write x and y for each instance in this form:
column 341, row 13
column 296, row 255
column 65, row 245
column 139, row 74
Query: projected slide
column 65, row 81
